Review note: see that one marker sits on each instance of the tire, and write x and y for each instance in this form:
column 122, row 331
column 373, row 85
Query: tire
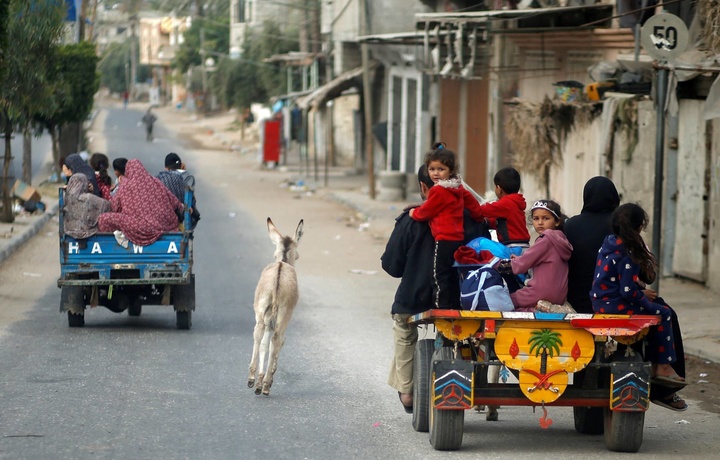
column 72, row 299
column 623, row 430
column 183, row 295
column 446, row 426
column 422, row 360
column 184, row 319
column 589, row 420
column 76, row 320
column 135, row 308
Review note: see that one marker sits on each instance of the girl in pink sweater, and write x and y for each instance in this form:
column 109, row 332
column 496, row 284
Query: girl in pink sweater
column 547, row 258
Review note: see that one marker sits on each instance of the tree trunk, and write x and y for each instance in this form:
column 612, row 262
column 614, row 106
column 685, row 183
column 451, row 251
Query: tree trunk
column 55, row 141
column 69, row 135
column 543, row 362
column 27, row 155
column 7, row 212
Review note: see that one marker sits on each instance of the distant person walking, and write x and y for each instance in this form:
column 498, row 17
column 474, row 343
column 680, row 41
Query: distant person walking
column 126, row 98
column 149, row 120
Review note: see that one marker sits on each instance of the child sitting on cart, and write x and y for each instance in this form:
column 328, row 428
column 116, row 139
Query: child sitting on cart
column 547, row 258
column 624, row 261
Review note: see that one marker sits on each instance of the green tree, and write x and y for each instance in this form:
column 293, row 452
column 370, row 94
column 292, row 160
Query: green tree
column 215, row 37
column 547, row 342
column 240, row 82
column 27, row 83
column 114, row 66
column 4, row 10
column 4, row 188
column 77, row 69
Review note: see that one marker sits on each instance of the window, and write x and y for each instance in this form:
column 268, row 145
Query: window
column 243, row 11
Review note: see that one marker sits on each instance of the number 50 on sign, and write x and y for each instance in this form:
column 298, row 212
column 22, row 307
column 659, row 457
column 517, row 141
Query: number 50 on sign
column 664, row 36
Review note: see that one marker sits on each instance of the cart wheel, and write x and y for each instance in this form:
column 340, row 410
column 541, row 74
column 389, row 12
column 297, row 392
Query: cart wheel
column 72, row 298
column 76, row 319
column 589, row 420
column 183, row 295
column 623, row 430
column 184, row 319
column 446, row 426
column 135, row 308
column 422, row 360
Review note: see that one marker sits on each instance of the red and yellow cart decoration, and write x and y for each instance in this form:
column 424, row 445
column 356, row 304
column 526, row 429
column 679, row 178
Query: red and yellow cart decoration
column 584, row 361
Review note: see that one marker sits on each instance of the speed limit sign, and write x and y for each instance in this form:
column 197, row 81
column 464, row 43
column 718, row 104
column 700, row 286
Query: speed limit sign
column 664, row 36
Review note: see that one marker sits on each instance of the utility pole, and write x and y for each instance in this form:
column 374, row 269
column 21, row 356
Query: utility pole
column 93, row 16
column 81, row 21
column 367, row 102
column 133, row 55
column 204, row 70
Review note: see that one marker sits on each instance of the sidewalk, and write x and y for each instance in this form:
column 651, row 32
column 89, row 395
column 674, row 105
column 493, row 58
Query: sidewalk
column 696, row 306
column 26, row 225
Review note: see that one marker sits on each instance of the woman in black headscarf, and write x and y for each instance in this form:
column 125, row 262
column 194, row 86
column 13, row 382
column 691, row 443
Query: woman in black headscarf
column 75, row 164
column 586, row 232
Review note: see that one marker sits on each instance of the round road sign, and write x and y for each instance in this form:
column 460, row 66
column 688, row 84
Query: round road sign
column 664, row 36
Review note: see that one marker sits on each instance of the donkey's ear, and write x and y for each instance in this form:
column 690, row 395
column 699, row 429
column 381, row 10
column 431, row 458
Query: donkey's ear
column 299, row 231
column 275, row 235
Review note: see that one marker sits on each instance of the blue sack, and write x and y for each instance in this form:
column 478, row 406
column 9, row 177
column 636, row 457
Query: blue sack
column 482, row 289
column 496, row 248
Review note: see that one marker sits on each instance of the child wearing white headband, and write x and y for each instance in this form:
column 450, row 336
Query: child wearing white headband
column 547, row 258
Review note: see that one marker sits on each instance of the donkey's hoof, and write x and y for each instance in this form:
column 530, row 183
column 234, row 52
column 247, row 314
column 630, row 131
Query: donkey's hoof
column 266, row 392
column 258, row 390
column 251, row 383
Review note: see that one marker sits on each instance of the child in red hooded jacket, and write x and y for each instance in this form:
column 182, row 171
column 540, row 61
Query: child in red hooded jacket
column 444, row 208
column 507, row 214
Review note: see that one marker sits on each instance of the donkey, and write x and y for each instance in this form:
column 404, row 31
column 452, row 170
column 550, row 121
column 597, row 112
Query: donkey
column 276, row 295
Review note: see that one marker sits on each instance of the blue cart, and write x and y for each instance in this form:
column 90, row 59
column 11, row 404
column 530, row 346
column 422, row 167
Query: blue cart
column 105, row 273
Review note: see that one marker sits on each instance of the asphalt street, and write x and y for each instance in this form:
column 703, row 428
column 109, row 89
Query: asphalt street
column 138, row 388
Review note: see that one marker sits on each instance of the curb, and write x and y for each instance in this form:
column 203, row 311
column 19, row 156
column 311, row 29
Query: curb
column 702, row 348
column 31, row 230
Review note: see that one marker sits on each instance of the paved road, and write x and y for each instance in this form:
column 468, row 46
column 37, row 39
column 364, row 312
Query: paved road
column 138, row 388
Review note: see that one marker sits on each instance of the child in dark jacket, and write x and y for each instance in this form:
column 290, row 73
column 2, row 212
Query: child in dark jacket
column 622, row 264
column 444, row 209
column 507, row 214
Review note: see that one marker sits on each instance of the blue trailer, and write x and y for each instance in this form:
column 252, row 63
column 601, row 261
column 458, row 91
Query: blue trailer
column 104, row 273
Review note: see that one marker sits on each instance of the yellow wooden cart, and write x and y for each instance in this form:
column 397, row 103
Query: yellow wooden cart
column 609, row 389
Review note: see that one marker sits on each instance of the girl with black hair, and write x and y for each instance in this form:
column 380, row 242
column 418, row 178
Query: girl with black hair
column 100, row 163
column 444, row 211
column 624, row 265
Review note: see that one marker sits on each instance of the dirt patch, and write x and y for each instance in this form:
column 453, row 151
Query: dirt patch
column 704, row 383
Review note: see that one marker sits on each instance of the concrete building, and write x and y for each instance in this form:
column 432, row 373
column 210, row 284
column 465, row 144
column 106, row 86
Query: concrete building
column 160, row 37
column 112, row 26
column 245, row 14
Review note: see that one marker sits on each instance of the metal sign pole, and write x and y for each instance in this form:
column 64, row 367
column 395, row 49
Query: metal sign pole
column 664, row 37
column 662, row 84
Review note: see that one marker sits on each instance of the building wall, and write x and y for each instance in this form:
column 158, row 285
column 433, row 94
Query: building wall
column 256, row 12
column 344, row 109
column 691, row 203
column 713, row 267
column 690, row 236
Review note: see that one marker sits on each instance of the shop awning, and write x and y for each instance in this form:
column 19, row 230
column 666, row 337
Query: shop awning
column 334, row 88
